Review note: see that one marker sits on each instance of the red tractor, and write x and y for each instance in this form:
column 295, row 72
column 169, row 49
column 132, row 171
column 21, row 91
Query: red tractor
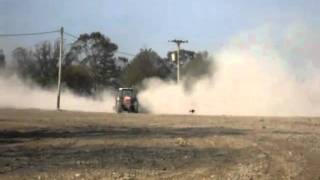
column 127, row 100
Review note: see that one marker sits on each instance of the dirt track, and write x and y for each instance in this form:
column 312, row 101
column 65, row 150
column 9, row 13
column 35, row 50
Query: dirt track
column 38, row 144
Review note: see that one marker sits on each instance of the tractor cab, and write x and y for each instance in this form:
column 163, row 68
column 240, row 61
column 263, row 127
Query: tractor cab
column 127, row 100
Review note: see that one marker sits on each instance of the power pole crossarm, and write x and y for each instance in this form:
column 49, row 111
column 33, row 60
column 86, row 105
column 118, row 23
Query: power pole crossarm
column 60, row 64
column 178, row 42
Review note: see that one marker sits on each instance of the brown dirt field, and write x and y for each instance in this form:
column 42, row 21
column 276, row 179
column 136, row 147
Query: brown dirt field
column 37, row 144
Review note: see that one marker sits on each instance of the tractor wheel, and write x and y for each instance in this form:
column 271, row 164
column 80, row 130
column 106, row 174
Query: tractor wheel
column 136, row 108
column 118, row 108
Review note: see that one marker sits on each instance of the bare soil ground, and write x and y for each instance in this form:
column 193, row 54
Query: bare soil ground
column 36, row 144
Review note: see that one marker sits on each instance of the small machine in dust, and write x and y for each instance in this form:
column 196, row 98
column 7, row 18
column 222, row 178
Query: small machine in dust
column 127, row 100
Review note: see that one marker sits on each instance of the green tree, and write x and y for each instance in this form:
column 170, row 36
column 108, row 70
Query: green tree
column 200, row 66
column 79, row 78
column 147, row 63
column 40, row 65
column 24, row 62
column 46, row 57
column 96, row 52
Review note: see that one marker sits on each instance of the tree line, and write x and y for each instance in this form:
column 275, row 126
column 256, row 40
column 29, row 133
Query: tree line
column 89, row 66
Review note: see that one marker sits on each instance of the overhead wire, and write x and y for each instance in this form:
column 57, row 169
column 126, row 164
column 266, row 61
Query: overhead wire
column 125, row 53
column 28, row 34
column 71, row 35
column 51, row 32
column 117, row 52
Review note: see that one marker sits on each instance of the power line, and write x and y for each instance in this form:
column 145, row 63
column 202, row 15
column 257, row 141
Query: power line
column 28, row 34
column 71, row 35
column 50, row 32
column 125, row 53
column 118, row 52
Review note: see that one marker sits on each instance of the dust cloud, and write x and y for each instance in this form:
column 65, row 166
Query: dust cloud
column 268, row 71
column 15, row 93
column 272, row 70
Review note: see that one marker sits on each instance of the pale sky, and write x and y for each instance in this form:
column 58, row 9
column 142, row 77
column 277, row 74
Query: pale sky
column 136, row 24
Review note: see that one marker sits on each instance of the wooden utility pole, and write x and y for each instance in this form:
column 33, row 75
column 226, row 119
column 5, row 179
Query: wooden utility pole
column 178, row 42
column 60, row 64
